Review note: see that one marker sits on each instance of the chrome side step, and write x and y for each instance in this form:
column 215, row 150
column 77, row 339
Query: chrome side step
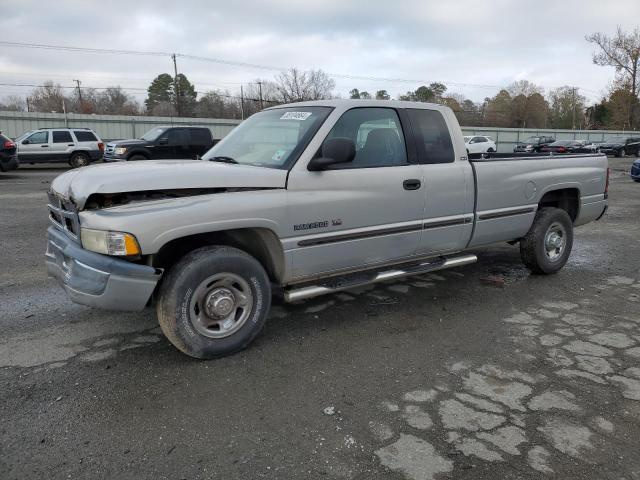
column 365, row 278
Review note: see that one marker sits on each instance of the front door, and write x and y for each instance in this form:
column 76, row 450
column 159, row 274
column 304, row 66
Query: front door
column 363, row 213
column 35, row 148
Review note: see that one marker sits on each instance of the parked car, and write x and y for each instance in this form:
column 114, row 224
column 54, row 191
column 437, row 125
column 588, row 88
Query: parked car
column 8, row 154
column 479, row 144
column 621, row 146
column 566, row 146
column 162, row 143
column 533, row 144
column 76, row 146
column 305, row 199
column 635, row 170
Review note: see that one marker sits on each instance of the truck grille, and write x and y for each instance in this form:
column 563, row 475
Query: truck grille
column 64, row 216
column 109, row 148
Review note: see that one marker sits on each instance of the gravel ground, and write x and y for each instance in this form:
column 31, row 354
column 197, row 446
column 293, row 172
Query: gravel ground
column 448, row 375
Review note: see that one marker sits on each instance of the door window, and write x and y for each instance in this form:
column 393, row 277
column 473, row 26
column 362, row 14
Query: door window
column 432, row 136
column 85, row 136
column 200, row 136
column 38, row 137
column 377, row 134
column 178, row 137
column 61, row 136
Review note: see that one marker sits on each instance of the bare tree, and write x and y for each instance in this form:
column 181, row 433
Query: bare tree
column 13, row 103
column 524, row 87
column 296, row 86
column 621, row 51
column 48, row 98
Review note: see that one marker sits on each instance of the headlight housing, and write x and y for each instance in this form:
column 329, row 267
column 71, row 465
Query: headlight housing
column 109, row 243
column 120, row 150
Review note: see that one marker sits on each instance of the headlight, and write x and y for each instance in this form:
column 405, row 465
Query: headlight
column 109, row 243
column 121, row 150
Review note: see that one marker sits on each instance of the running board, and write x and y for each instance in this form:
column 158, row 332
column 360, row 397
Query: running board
column 366, row 278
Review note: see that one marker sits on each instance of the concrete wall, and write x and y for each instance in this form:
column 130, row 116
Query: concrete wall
column 108, row 127
column 112, row 127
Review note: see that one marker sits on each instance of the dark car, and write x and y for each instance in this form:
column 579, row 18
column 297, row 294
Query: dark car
column 533, row 144
column 162, row 143
column 8, row 154
column 566, row 146
column 635, row 170
column 621, row 146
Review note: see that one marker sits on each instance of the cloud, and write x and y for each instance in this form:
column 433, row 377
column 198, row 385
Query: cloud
column 463, row 43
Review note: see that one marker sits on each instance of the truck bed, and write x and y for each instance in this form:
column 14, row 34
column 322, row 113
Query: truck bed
column 509, row 188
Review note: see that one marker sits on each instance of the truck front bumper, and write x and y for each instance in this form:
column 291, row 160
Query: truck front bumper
column 98, row 280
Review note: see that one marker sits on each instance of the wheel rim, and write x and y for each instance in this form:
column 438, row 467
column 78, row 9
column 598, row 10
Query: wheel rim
column 221, row 305
column 555, row 241
column 80, row 161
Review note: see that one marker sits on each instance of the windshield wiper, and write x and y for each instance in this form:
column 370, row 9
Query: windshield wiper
column 223, row 160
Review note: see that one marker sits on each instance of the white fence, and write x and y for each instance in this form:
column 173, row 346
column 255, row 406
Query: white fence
column 111, row 127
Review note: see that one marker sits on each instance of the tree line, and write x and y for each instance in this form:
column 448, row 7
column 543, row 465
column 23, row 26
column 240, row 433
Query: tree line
column 522, row 104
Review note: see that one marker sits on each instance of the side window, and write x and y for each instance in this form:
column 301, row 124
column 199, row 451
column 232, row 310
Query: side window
column 377, row 134
column 61, row 136
column 481, row 140
column 38, row 137
column 432, row 136
column 178, row 136
column 200, row 136
column 85, row 136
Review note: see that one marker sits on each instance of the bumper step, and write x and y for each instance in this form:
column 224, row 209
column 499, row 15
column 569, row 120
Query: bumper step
column 346, row 282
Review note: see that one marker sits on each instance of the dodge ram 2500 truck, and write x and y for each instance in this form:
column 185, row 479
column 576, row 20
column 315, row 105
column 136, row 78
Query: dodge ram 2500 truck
column 303, row 200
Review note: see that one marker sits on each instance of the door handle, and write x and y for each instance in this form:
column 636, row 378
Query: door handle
column 411, row 184
column 44, row 146
column 71, row 144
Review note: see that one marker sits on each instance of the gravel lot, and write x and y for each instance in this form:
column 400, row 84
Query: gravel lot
column 448, row 375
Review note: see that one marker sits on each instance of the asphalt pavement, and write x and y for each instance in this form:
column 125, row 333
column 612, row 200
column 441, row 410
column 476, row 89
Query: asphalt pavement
column 480, row 372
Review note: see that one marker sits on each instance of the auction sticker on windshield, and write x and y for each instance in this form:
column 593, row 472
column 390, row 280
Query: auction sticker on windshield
column 295, row 116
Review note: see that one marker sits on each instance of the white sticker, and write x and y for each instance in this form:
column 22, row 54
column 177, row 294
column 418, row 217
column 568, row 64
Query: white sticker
column 295, row 116
column 278, row 155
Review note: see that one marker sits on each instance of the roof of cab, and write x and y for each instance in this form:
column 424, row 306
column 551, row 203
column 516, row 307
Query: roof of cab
column 349, row 103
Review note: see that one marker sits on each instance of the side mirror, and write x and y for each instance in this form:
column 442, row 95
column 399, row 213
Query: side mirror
column 25, row 142
column 163, row 141
column 334, row 151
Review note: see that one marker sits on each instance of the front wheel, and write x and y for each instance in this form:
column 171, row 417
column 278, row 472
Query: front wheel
column 214, row 302
column 546, row 247
column 621, row 153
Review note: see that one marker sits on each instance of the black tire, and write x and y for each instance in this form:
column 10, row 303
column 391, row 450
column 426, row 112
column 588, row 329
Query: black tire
column 79, row 159
column 621, row 153
column 490, row 150
column 178, row 308
column 536, row 248
column 135, row 158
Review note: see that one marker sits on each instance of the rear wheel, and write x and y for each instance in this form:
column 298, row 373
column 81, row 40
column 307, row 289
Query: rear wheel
column 490, row 150
column 547, row 246
column 135, row 158
column 79, row 159
column 621, row 153
column 214, row 302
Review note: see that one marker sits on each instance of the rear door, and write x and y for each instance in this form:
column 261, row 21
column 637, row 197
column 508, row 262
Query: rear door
column 178, row 141
column 200, row 142
column 61, row 146
column 364, row 213
column 448, row 182
column 35, row 148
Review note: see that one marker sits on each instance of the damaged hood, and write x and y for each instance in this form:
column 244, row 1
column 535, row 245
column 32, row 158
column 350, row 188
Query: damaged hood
column 77, row 185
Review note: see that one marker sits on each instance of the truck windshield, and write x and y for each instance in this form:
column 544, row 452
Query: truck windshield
column 271, row 138
column 152, row 134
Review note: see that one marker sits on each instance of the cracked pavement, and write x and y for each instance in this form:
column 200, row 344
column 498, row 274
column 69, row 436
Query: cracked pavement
column 438, row 376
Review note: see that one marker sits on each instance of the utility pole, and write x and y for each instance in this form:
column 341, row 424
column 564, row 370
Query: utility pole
column 573, row 113
column 79, row 94
column 260, row 93
column 241, row 103
column 28, row 109
column 176, row 86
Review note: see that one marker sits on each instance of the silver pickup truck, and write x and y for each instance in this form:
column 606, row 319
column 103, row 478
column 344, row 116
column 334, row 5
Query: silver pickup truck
column 302, row 200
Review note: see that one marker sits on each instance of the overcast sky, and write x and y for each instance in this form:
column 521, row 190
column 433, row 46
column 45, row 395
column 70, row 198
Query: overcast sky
column 461, row 43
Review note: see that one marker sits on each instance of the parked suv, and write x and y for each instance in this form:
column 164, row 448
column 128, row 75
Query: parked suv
column 8, row 155
column 162, row 143
column 77, row 146
column 533, row 144
column 621, row 146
